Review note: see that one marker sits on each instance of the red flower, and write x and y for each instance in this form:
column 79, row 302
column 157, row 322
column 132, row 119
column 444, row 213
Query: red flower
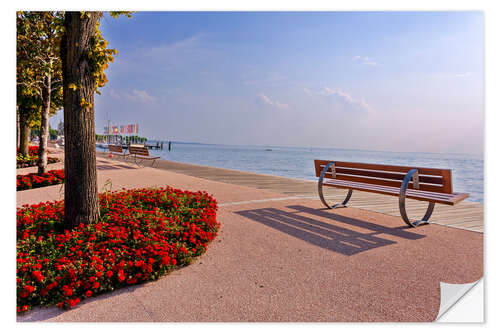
column 52, row 285
column 67, row 290
column 29, row 289
column 38, row 276
column 73, row 302
column 88, row 293
column 131, row 281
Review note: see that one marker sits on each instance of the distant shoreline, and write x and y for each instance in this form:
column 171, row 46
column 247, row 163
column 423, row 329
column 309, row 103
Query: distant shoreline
column 318, row 148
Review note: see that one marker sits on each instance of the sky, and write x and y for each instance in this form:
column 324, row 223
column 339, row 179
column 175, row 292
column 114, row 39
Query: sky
column 392, row 81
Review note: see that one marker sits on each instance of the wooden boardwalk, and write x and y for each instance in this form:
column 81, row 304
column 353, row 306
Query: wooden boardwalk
column 465, row 215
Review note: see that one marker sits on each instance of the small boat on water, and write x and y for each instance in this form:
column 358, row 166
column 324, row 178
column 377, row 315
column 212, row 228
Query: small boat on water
column 269, row 149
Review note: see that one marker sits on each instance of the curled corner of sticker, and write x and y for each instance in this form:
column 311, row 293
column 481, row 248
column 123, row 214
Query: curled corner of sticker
column 451, row 293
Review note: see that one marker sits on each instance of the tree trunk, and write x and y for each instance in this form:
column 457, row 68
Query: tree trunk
column 18, row 128
column 44, row 126
column 80, row 194
column 24, row 135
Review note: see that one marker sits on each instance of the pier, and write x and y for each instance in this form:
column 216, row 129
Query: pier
column 157, row 146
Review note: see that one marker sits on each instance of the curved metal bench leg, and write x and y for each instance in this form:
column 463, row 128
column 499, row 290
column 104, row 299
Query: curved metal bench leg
column 320, row 191
column 402, row 205
column 136, row 163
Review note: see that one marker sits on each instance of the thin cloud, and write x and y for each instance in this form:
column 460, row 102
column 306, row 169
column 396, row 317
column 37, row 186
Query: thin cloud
column 268, row 101
column 135, row 95
column 159, row 61
column 181, row 54
column 114, row 94
column 270, row 80
column 449, row 75
column 183, row 45
column 365, row 61
column 466, row 74
column 341, row 101
column 140, row 96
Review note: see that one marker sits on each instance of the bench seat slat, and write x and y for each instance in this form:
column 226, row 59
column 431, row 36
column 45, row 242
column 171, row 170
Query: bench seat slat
column 138, row 150
column 387, row 188
column 443, row 198
column 430, row 179
column 117, row 150
column 147, row 157
column 394, row 168
column 388, row 182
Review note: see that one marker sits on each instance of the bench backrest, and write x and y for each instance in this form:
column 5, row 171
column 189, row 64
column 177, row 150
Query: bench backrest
column 433, row 180
column 138, row 150
column 115, row 148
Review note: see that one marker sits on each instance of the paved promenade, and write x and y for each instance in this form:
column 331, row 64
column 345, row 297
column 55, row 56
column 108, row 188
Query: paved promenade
column 281, row 257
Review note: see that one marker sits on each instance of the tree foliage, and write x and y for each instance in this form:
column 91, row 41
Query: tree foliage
column 39, row 39
column 38, row 47
column 38, row 54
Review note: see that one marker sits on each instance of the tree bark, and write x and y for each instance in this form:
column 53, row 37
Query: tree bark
column 44, row 126
column 18, row 129
column 24, row 135
column 80, row 194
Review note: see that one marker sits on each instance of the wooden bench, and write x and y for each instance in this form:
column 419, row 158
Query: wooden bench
column 141, row 154
column 117, row 150
column 424, row 184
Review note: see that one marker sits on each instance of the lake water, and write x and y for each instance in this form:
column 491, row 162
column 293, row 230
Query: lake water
column 295, row 162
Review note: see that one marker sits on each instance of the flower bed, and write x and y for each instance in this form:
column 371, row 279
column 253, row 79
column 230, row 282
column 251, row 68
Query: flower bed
column 32, row 150
column 141, row 235
column 32, row 158
column 34, row 180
